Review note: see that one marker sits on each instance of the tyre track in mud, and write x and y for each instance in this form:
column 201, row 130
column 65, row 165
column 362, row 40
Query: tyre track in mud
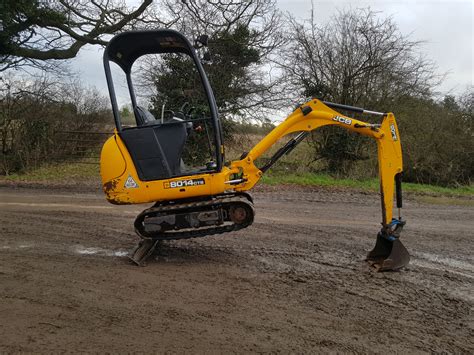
column 294, row 281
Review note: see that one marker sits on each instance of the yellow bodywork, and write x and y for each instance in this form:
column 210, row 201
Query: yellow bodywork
column 117, row 167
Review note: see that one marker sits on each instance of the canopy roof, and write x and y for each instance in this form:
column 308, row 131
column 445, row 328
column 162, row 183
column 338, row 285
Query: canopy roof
column 126, row 47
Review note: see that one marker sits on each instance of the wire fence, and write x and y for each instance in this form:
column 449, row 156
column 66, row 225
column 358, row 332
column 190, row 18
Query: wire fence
column 81, row 146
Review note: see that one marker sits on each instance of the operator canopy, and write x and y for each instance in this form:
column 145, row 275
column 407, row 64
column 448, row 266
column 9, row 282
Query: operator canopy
column 127, row 47
column 176, row 132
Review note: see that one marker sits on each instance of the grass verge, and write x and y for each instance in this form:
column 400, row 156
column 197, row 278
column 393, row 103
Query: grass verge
column 57, row 173
column 364, row 184
column 68, row 173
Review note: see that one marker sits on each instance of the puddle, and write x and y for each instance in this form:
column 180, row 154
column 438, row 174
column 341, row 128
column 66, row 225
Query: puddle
column 78, row 249
column 86, row 251
column 455, row 263
column 17, row 246
column 98, row 251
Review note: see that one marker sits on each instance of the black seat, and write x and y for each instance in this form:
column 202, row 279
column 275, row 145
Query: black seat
column 144, row 117
column 156, row 150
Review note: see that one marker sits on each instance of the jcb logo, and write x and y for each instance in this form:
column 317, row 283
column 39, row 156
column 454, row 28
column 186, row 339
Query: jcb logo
column 183, row 183
column 342, row 120
column 393, row 130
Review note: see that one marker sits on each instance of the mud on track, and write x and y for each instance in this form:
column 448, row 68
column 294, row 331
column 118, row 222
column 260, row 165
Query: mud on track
column 294, row 281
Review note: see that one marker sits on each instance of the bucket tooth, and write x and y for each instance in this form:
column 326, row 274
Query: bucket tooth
column 388, row 255
column 143, row 251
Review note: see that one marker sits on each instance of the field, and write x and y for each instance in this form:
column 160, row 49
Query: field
column 294, row 281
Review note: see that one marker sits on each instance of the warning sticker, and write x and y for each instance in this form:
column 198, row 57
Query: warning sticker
column 130, row 183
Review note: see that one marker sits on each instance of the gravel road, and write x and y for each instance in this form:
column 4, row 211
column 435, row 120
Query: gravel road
column 294, row 281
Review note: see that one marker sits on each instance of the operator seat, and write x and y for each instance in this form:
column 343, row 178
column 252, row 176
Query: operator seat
column 156, row 148
column 144, row 117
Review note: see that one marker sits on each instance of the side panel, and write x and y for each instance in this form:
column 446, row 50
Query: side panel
column 127, row 188
column 112, row 163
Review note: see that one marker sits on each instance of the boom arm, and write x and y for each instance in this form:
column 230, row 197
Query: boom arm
column 315, row 114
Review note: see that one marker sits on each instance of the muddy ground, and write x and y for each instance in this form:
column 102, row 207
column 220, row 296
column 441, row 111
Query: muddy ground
column 295, row 281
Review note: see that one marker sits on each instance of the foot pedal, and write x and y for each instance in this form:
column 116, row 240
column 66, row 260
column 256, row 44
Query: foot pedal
column 388, row 255
column 142, row 252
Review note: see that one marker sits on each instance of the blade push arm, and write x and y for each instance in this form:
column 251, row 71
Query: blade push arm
column 315, row 114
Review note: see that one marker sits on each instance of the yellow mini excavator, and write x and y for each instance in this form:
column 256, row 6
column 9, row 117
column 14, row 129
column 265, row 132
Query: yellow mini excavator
column 171, row 154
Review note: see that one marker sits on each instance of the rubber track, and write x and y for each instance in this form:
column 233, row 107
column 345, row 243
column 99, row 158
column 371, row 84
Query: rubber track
column 191, row 207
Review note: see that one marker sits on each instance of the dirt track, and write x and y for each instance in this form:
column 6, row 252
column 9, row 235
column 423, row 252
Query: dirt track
column 294, row 281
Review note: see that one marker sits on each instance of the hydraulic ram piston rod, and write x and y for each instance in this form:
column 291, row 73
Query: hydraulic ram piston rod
column 353, row 108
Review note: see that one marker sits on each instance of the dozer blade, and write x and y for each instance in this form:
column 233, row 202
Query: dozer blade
column 388, row 255
column 145, row 248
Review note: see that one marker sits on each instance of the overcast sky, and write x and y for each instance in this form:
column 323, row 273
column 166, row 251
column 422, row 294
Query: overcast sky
column 446, row 26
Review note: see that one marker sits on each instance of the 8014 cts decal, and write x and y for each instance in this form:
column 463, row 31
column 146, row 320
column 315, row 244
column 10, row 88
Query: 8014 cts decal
column 183, row 183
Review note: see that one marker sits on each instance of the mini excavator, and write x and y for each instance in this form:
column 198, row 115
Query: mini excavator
column 172, row 154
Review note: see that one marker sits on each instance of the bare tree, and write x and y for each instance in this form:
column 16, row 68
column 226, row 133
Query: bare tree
column 33, row 111
column 243, row 38
column 34, row 32
column 358, row 58
column 211, row 17
column 438, row 140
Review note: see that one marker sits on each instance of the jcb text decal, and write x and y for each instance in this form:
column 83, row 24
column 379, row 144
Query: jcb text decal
column 344, row 120
column 393, row 131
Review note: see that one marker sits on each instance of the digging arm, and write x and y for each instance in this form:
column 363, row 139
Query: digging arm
column 315, row 114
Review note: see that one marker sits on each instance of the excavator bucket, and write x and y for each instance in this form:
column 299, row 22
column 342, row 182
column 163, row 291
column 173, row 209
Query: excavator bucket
column 388, row 255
